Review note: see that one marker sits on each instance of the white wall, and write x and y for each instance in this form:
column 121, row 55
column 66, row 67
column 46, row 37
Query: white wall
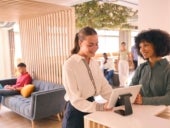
column 5, row 68
column 154, row 14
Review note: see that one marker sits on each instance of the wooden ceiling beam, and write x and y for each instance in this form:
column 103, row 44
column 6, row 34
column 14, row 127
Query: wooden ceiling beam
column 13, row 10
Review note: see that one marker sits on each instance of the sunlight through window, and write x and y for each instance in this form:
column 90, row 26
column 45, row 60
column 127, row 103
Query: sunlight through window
column 108, row 41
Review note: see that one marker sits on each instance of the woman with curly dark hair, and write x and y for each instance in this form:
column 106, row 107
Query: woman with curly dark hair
column 154, row 74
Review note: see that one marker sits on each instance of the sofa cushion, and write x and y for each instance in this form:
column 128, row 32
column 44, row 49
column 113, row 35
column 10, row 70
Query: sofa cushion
column 34, row 106
column 44, row 86
column 27, row 90
column 19, row 104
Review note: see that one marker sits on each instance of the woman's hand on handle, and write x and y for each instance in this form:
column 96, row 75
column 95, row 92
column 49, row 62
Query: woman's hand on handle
column 106, row 108
column 138, row 99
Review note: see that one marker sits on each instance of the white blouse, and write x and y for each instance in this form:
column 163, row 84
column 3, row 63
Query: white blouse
column 79, row 86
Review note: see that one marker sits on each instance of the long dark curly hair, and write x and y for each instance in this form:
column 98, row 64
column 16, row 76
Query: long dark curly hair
column 159, row 38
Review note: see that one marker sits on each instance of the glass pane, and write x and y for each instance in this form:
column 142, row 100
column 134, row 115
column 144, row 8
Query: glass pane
column 133, row 34
column 108, row 44
column 108, row 33
column 108, row 41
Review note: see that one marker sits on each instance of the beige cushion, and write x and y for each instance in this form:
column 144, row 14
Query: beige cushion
column 27, row 90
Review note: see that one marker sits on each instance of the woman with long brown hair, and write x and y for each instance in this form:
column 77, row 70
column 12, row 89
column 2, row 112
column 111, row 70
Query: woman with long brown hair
column 83, row 79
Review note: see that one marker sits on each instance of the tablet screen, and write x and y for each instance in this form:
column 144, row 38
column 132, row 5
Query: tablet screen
column 133, row 90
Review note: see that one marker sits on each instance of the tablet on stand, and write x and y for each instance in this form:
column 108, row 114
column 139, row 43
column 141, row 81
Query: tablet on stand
column 124, row 96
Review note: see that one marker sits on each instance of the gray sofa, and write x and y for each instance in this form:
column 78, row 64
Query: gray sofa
column 47, row 100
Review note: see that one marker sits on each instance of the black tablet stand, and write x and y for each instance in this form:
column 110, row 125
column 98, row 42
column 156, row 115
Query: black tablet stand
column 125, row 100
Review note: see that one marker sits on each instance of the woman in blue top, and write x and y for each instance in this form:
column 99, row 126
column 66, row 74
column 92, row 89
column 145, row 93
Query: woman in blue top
column 154, row 74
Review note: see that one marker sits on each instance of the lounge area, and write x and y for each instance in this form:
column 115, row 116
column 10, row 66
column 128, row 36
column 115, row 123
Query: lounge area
column 46, row 100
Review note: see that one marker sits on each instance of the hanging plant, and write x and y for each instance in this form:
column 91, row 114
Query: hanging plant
column 103, row 15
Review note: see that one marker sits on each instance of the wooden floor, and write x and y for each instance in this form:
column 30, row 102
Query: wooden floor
column 9, row 119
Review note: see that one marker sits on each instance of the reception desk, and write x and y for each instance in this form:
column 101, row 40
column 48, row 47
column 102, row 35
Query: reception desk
column 144, row 116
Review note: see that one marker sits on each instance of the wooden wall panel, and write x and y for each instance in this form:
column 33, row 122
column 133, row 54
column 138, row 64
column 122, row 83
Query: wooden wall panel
column 46, row 42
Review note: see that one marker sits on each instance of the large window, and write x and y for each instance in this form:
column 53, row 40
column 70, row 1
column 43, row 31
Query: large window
column 108, row 41
column 17, row 46
column 18, row 54
column 133, row 34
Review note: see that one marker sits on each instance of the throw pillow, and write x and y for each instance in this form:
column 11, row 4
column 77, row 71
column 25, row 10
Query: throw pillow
column 27, row 90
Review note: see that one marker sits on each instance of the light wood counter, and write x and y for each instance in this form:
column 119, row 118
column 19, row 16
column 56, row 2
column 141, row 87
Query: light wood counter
column 144, row 116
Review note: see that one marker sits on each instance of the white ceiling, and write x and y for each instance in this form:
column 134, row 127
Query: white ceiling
column 63, row 2
column 128, row 3
column 11, row 10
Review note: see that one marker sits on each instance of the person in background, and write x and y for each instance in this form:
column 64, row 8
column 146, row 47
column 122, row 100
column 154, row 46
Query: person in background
column 22, row 80
column 83, row 79
column 134, row 55
column 154, row 74
column 108, row 68
column 123, row 65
